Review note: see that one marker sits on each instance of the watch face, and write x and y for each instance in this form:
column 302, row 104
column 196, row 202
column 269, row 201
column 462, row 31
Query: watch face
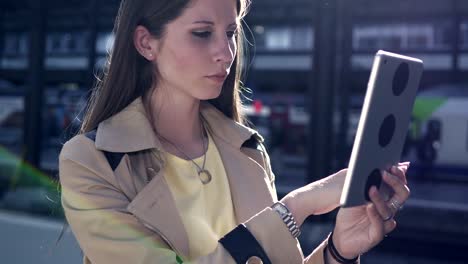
column 281, row 209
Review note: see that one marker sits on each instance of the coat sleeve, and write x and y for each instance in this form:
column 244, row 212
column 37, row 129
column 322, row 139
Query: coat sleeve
column 317, row 255
column 96, row 211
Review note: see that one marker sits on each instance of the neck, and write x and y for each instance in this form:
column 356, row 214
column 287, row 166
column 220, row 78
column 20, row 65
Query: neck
column 177, row 120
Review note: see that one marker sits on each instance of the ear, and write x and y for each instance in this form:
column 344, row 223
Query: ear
column 145, row 43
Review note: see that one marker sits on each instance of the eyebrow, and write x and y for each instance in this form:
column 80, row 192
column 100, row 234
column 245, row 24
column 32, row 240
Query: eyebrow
column 212, row 23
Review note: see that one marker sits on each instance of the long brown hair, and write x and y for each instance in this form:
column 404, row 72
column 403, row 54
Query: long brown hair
column 127, row 75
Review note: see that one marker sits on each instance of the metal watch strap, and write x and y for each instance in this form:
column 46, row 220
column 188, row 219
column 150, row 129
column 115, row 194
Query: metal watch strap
column 287, row 218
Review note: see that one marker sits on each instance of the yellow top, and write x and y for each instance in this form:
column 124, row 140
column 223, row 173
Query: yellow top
column 206, row 210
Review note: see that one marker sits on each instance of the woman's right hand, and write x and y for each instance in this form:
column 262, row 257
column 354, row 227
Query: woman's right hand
column 360, row 228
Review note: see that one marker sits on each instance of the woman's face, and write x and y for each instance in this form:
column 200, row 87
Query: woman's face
column 197, row 51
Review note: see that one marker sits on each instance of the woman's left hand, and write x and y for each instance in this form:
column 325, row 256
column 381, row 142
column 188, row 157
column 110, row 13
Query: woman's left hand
column 360, row 228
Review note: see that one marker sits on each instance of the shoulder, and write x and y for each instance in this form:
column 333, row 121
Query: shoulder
column 82, row 164
column 80, row 153
column 79, row 148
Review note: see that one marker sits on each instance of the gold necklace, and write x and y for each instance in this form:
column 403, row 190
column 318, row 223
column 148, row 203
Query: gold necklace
column 203, row 174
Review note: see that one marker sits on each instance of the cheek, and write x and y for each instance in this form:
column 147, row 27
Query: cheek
column 186, row 58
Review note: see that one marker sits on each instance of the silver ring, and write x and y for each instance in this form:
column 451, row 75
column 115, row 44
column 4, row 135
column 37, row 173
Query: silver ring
column 395, row 204
column 388, row 218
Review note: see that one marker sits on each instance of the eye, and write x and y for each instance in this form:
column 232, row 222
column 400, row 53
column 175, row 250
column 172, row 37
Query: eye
column 202, row 34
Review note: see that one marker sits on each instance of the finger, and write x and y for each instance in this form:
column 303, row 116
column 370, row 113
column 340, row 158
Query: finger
column 406, row 163
column 401, row 190
column 376, row 229
column 382, row 208
column 398, row 185
column 400, row 172
column 404, row 168
column 389, row 226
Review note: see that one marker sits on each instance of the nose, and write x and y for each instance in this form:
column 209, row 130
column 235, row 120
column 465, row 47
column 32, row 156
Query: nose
column 225, row 51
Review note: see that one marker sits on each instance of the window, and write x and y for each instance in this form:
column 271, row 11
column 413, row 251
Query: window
column 11, row 119
column 16, row 44
column 104, row 42
column 421, row 36
column 70, row 42
column 416, row 41
column 464, row 35
column 23, row 45
column 62, row 116
column 53, row 44
column 287, row 38
column 67, row 43
column 11, row 44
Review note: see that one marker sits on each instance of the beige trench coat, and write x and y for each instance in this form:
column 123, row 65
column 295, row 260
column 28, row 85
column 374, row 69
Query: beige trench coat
column 127, row 214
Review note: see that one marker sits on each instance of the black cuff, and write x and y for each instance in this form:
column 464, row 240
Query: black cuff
column 242, row 245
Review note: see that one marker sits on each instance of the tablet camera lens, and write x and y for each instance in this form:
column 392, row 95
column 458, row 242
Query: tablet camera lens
column 387, row 130
column 400, row 79
column 374, row 179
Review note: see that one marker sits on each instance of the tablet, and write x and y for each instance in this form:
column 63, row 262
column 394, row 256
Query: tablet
column 383, row 125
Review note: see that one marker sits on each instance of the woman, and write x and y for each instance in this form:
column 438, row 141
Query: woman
column 164, row 171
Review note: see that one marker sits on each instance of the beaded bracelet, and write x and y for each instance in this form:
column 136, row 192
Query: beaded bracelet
column 335, row 255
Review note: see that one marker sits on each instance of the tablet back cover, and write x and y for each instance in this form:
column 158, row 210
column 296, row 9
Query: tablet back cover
column 383, row 124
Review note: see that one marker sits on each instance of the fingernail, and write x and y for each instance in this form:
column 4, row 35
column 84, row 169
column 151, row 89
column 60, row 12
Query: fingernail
column 386, row 175
column 407, row 163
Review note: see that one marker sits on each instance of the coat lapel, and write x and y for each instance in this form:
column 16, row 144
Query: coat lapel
column 156, row 208
column 247, row 179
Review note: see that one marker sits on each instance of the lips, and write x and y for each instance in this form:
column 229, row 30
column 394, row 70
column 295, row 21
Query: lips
column 220, row 77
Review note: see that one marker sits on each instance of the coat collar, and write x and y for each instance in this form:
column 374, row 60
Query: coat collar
column 130, row 130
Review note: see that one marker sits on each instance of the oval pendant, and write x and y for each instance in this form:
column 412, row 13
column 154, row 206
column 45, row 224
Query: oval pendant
column 205, row 176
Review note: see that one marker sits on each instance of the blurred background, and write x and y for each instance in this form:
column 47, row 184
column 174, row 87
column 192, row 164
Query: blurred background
column 308, row 74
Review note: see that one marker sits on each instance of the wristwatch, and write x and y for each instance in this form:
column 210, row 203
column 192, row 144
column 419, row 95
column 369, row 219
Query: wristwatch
column 287, row 218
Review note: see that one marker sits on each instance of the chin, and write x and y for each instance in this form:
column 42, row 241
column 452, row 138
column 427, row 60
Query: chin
column 211, row 94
